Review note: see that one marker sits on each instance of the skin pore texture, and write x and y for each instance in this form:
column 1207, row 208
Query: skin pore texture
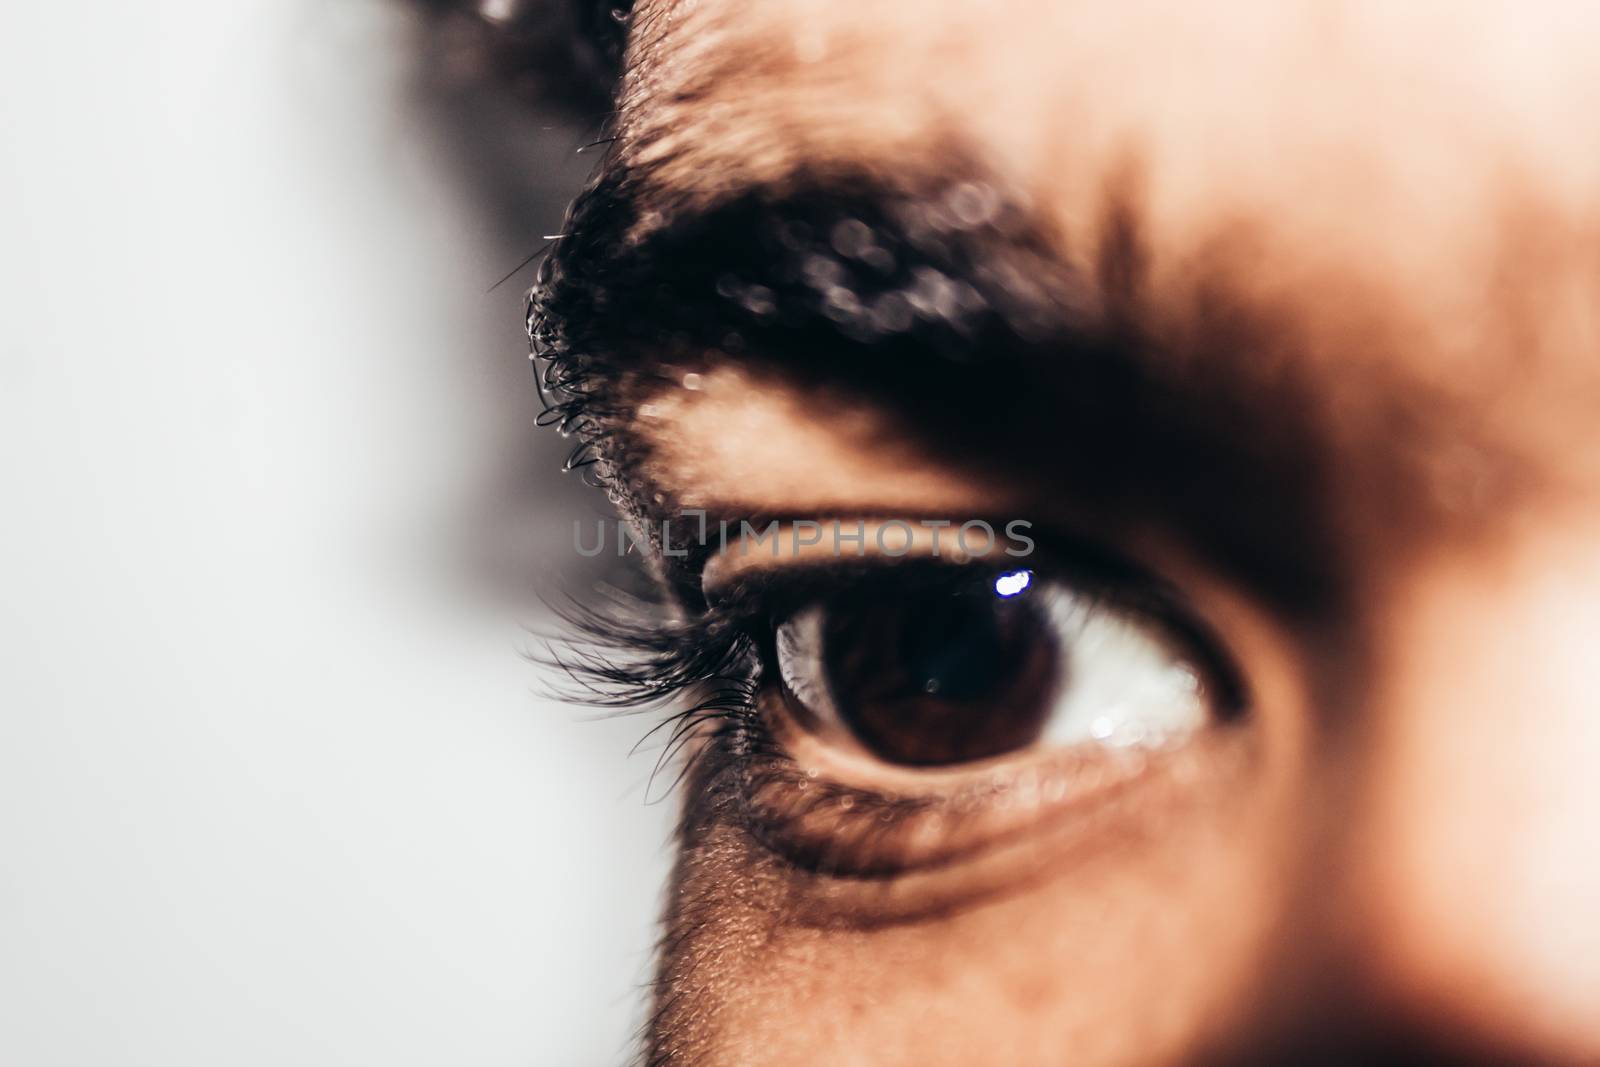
column 1313, row 339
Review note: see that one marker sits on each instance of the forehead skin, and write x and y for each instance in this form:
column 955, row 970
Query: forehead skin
column 1417, row 181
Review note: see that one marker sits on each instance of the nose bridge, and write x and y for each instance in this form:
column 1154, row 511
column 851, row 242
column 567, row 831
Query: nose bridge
column 1473, row 854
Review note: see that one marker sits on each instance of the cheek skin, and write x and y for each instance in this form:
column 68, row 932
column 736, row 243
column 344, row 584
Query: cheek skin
column 1119, row 955
column 1134, row 939
column 1484, row 777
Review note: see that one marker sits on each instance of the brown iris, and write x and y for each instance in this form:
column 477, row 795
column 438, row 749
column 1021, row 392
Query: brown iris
column 940, row 676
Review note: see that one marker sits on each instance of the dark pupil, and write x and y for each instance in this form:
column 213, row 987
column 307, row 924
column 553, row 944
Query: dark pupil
column 940, row 677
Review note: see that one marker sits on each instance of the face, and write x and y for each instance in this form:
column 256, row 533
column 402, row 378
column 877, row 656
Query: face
column 1260, row 728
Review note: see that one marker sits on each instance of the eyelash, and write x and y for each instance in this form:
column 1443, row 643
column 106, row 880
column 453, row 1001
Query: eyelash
column 702, row 673
column 632, row 655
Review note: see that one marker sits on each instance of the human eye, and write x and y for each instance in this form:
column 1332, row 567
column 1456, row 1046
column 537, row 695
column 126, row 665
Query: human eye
column 878, row 716
column 973, row 665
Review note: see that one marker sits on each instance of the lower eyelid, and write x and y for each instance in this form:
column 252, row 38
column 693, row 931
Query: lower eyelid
column 796, row 804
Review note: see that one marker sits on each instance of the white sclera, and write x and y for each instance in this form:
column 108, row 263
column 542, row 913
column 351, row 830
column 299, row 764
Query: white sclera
column 799, row 647
column 1123, row 683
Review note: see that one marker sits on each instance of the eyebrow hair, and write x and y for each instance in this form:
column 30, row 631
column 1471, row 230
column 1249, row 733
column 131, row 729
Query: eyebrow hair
column 948, row 303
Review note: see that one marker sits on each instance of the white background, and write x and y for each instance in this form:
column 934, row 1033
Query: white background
column 275, row 786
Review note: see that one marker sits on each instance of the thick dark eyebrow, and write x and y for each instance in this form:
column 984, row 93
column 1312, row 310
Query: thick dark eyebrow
column 949, row 305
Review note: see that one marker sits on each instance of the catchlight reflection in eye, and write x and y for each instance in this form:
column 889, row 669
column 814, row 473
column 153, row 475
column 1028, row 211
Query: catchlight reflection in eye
column 1012, row 583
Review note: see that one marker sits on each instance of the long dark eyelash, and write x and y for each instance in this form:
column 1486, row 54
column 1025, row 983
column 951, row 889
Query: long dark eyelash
column 622, row 653
column 627, row 654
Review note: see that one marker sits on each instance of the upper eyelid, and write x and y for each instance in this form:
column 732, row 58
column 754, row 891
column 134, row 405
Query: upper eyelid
column 1069, row 553
column 930, row 537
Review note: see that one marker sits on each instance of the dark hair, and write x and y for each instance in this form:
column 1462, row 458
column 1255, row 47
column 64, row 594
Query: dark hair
column 566, row 53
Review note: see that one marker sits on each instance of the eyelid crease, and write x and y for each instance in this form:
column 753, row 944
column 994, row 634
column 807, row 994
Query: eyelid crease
column 887, row 540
